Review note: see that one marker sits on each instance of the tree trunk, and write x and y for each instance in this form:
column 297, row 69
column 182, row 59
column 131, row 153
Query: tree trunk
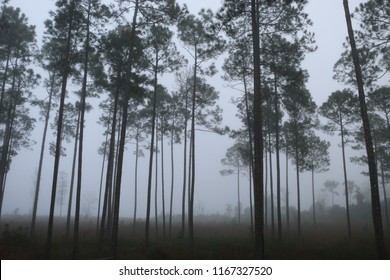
column 101, row 182
column 172, row 181
column 162, row 179
column 4, row 78
column 375, row 201
column 258, row 137
column 183, row 203
column 384, row 193
column 110, row 164
column 69, row 212
column 313, row 197
column 287, row 194
column 123, row 137
column 238, row 195
column 38, row 183
column 192, row 190
column 271, row 181
column 136, row 180
column 298, row 189
column 266, row 187
column 4, row 161
column 345, row 178
column 156, row 186
column 277, row 152
column 65, row 74
column 82, row 120
column 149, row 194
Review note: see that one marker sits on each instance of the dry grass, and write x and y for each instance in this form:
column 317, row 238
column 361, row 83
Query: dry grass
column 213, row 241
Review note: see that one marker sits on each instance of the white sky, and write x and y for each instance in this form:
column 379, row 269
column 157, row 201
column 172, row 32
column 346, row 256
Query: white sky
column 330, row 29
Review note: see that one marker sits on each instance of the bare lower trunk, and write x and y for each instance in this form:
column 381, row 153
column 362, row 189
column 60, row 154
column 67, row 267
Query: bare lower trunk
column 345, row 183
column 70, row 200
column 375, row 201
column 38, row 183
column 258, row 137
column 65, row 74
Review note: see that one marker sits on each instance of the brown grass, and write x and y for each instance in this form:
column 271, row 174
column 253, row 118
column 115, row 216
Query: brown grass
column 213, row 241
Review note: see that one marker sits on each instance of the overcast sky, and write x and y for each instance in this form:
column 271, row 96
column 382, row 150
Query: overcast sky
column 330, row 29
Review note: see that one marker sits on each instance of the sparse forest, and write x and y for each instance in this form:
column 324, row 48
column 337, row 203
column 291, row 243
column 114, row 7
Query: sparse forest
column 141, row 78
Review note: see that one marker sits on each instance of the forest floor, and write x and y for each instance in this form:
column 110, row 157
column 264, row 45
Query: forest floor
column 221, row 241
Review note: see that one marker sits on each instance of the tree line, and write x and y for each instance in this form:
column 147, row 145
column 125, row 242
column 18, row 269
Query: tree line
column 120, row 51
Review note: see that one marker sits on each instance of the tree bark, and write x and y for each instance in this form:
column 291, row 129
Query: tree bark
column 69, row 212
column 149, row 193
column 42, row 153
column 123, row 136
column 81, row 140
column 258, row 137
column 345, row 178
column 65, row 74
column 375, row 200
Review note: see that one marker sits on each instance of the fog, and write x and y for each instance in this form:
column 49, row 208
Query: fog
column 213, row 192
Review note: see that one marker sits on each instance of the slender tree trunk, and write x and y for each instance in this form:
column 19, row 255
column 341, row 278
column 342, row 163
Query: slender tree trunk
column 313, row 197
column 287, row 194
column 123, row 135
column 258, row 137
column 7, row 138
column 4, row 161
column 111, row 193
column 162, row 179
column 101, row 183
column 136, row 180
column 172, row 180
column 70, row 200
column 189, row 184
column 81, row 140
column 298, row 184
column 192, row 190
column 4, row 79
column 238, row 195
column 266, row 187
column 183, row 203
column 384, row 193
column 375, row 201
column 271, row 186
column 38, row 183
column 345, row 180
column 251, row 164
column 156, row 185
column 149, row 194
column 110, row 164
column 65, row 74
column 277, row 152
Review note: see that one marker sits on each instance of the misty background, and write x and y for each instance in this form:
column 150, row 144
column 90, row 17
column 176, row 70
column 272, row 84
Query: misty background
column 213, row 193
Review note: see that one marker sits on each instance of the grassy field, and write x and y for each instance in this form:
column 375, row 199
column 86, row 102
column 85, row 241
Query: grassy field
column 213, row 241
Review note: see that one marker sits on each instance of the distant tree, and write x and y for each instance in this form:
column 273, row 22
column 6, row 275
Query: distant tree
column 302, row 119
column 162, row 56
column 237, row 164
column 203, row 43
column 341, row 110
column 331, row 186
column 62, row 190
column 317, row 161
